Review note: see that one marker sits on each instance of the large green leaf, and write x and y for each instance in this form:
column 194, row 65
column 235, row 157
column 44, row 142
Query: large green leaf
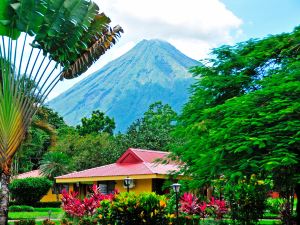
column 6, row 23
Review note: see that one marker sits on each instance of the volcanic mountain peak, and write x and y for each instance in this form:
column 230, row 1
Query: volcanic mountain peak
column 153, row 70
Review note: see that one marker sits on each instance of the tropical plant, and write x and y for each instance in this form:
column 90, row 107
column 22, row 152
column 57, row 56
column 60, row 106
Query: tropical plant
column 68, row 36
column 78, row 208
column 132, row 209
column 54, row 164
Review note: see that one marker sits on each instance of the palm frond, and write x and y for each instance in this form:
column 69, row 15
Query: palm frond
column 98, row 48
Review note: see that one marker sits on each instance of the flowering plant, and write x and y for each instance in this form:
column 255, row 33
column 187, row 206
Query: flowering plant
column 75, row 207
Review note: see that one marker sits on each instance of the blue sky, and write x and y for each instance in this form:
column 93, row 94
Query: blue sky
column 263, row 17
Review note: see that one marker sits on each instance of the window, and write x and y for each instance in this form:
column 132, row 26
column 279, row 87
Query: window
column 57, row 188
column 106, row 187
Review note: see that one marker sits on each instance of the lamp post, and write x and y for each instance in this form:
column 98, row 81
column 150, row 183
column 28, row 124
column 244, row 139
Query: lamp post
column 176, row 189
column 127, row 182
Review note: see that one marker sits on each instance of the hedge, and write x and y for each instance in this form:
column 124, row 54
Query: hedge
column 29, row 191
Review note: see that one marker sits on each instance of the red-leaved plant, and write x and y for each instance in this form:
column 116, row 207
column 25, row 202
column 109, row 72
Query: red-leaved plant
column 219, row 207
column 75, row 207
column 191, row 205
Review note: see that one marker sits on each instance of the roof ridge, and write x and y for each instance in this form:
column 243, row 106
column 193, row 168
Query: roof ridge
column 149, row 150
column 86, row 170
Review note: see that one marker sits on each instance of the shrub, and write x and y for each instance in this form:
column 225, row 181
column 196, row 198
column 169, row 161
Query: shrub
column 21, row 208
column 76, row 207
column 247, row 199
column 87, row 221
column 65, row 221
column 28, row 191
column 275, row 205
column 191, row 206
column 131, row 209
column 48, row 222
column 25, row 222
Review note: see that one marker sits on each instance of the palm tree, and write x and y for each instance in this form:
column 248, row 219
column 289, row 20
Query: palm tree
column 54, row 164
column 68, row 37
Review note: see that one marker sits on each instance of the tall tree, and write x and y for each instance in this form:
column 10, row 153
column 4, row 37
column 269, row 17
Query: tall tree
column 153, row 131
column 71, row 34
column 243, row 117
column 98, row 123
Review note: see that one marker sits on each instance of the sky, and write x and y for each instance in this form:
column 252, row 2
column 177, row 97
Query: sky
column 192, row 26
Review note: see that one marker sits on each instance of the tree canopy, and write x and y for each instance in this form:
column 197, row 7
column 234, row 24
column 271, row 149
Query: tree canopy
column 98, row 123
column 243, row 116
column 153, row 130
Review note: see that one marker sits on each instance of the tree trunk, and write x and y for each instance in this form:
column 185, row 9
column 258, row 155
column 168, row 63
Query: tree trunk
column 4, row 199
column 297, row 191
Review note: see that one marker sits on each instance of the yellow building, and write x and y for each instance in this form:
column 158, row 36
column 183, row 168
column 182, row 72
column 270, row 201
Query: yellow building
column 51, row 196
column 140, row 166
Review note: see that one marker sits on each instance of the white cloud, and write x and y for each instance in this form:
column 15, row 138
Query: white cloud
column 192, row 26
column 199, row 22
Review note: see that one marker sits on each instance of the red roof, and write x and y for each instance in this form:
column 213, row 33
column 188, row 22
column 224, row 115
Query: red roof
column 33, row 173
column 132, row 162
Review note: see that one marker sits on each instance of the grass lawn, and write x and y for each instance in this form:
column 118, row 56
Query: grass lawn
column 39, row 213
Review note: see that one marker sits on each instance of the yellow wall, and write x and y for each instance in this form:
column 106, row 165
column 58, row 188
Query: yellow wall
column 143, row 185
column 50, row 197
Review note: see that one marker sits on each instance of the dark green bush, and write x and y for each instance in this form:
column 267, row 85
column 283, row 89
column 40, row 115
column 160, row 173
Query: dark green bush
column 28, row 191
column 21, row 208
column 25, row 222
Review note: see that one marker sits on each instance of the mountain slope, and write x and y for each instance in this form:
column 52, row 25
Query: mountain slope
column 153, row 70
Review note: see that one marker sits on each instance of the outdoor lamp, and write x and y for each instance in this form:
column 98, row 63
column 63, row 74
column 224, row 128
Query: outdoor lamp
column 127, row 182
column 176, row 189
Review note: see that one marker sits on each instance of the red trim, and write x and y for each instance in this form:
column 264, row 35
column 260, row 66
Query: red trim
column 129, row 157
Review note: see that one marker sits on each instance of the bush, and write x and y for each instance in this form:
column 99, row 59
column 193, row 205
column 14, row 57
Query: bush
column 21, row 208
column 25, row 222
column 247, row 200
column 131, row 209
column 275, row 205
column 28, row 191
column 65, row 221
column 48, row 222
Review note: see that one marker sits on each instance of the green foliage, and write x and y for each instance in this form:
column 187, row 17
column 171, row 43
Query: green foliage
column 54, row 164
column 21, row 208
column 87, row 221
column 69, row 29
column 244, row 112
column 247, row 199
column 131, row 209
column 153, row 131
column 275, row 205
column 29, row 190
column 243, row 116
column 41, row 135
column 87, row 151
column 98, row 123
column 25, row 222
column 48, row 222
